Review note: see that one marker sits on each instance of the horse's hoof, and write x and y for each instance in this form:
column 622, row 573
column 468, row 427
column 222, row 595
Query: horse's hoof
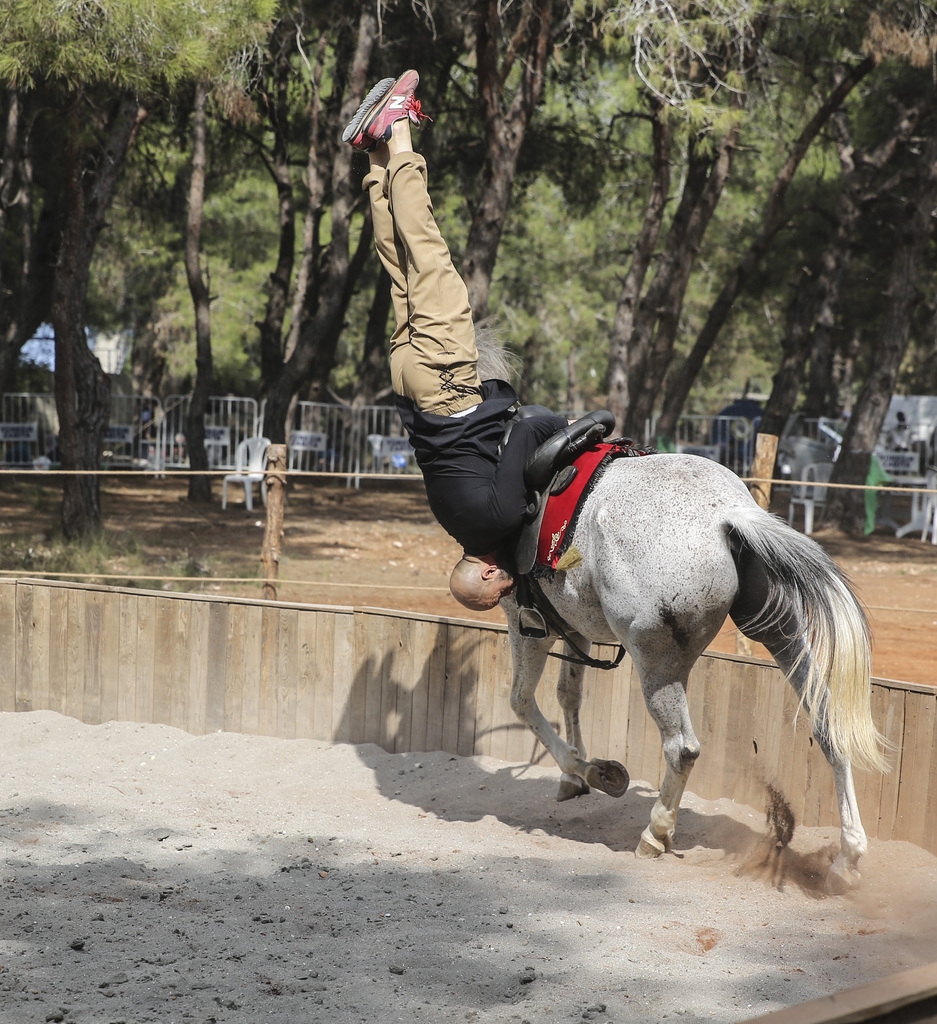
column 649, row 847
column 571, row 786
column 609, row 776
column 840, row 880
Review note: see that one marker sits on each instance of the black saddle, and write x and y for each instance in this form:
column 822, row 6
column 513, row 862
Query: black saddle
column 561, row 448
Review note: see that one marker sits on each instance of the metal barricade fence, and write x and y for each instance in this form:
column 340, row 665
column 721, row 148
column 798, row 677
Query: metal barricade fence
column 29, row 425
column 320, row 437
column 132, row 439
column 729, row 440
column 382, row 443
column 148, row 433
column 333, row 438
column 228, row 421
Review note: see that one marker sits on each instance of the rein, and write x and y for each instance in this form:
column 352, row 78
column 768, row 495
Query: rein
column 553, row 620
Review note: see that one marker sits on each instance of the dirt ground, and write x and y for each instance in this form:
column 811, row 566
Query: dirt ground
column 381, row 547
column 147, row 875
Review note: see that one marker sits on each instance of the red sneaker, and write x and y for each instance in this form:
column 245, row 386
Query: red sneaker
column 351, row 133
column 388, row 102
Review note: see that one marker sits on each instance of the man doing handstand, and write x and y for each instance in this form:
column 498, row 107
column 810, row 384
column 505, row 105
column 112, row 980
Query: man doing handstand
column 455, row 421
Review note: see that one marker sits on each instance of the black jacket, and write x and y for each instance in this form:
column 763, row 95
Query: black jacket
column 477, row 495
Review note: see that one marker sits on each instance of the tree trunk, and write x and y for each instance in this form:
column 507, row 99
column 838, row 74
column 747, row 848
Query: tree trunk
column 9, row 161
column 813, row 311
column 574, row 401
column 529, row 353
column 652, row 338
column 773, row 220
column 372, row 369
column 844, row 369
column 82, row 389
column 819, row 398
column 318, row 318
column 23, row 304
column 794, row 349
column 199, row 483
column 316, row 197
column 846, row 508
column 326, row 330
column 278, row 285
column 504, row 130
column 619, row 381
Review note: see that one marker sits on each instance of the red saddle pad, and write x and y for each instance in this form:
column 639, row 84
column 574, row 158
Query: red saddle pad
column 562, row 509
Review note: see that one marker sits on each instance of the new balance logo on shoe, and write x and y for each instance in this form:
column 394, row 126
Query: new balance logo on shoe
column 397, row 102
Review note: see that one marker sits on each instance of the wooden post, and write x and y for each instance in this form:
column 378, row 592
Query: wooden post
column 273, row 532
column 766, row 453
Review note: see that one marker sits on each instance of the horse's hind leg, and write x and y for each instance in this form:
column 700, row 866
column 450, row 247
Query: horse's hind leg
column 666, row 701
column 843, row 874
column 783, row 636
column 794, row 661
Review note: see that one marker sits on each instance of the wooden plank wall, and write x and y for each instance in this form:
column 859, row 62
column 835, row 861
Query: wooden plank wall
column 412, row 682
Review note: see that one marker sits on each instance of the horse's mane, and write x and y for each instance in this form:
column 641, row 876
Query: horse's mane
column 495, row 362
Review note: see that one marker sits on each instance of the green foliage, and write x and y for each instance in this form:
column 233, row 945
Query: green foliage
column 578, row 200
column 563, row 307
column 130, row 44
column 138, row 281
column 695, row 58
column 35, row 378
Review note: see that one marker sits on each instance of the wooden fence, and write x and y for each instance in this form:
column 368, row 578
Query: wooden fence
column 415, row 682
column 906, row 998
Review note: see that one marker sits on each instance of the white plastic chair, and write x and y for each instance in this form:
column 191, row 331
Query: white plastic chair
column 930, row 507
column 809, row 494
column 250, row 461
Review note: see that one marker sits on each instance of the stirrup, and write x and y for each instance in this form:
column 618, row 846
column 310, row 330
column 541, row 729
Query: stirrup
column 531, row 624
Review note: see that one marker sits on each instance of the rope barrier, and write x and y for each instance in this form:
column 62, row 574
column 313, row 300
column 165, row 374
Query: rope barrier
column 166, row 474
column 153, row 474
column 33, row 573
column 910, row 611
column 317, row 583
column 349, row 475
column 897, row 489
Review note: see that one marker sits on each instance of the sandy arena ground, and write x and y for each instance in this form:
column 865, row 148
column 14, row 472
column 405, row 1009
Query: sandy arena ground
column 150, row 875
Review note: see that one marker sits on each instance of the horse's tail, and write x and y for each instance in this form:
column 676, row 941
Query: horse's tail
column 795, row 599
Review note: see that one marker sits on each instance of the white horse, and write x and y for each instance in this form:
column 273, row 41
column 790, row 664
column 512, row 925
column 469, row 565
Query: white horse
column 670, row 545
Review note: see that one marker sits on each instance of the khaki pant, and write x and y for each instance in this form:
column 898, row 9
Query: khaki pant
column 433, row 358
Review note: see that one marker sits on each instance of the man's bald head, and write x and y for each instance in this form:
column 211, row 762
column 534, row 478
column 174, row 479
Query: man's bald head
column 479, row 583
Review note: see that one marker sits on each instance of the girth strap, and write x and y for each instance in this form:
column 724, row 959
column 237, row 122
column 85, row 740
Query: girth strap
column 552, row 618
